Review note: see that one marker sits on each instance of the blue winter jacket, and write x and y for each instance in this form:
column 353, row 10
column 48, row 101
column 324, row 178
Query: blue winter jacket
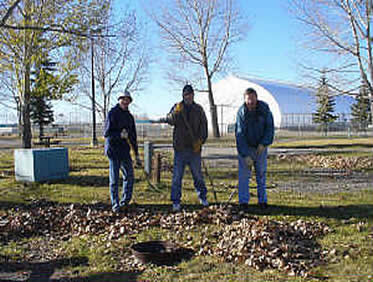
column 116, row 147
column 253, row 128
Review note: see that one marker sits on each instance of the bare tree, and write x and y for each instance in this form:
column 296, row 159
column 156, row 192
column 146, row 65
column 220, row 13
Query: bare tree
column 197, row 34
column 30, row 29
column 341, row 29
column 7, row 10
column 121, row 62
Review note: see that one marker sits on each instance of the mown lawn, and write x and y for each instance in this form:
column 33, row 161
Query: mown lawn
column 89, row 255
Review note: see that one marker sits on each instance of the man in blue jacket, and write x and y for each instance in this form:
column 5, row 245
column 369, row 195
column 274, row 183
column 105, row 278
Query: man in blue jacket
column 254, row 133
column 120, row 137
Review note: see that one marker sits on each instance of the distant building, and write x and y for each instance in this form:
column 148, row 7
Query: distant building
column 292, row 106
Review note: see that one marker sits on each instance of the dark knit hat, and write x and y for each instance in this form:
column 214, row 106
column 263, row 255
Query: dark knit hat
column 188, row 89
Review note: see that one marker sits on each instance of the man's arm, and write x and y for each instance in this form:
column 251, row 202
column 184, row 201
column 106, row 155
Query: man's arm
column 240, row 132
column 204, row 126
column 174, row 115
column 109, row 129
column 269, row 130
column 132, row 135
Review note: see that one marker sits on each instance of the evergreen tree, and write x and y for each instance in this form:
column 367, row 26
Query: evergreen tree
column 360, row 111
column 46, row 85
column 34, row 28
column 41, row 112
column 326, row 102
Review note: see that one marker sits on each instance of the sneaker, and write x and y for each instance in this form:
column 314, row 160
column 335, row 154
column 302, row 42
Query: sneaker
column 124, row 204
column 204, row 203
column 263, row 205
column 176, row 207
column 116, row 211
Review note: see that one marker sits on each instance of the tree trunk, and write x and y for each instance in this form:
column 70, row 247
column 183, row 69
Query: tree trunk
column 41, row 130
column 213, row 111
column 371, row 102
column 26, row 125
column 105, row 110
column 371, row 110
column 25, row 102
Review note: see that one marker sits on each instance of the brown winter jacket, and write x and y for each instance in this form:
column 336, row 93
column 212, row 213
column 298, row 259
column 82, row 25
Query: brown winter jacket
column 179, row 116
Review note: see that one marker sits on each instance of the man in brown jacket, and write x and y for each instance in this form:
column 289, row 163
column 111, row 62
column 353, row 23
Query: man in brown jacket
column 190, row 132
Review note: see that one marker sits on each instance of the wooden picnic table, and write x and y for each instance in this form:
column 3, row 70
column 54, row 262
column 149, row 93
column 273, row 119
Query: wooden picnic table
column 46, row 140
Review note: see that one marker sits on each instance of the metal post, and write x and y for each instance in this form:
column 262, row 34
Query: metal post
column 221, row 119
column 157, row 168
column 148, row 154
column 94, row 138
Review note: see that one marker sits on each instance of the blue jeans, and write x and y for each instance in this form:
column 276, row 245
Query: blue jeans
column 181, row 159
column 244, row 175
column 128, row 178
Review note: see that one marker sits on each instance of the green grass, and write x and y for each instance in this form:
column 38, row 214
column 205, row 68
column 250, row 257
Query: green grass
column 328, row 142
column 88, row 183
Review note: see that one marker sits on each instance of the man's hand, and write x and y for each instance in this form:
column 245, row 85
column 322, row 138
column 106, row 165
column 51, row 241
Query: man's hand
column 138, row 162
column 197, row 146
column 249, row 162
column 260, row 149
column 178, row 108
column 124, row 134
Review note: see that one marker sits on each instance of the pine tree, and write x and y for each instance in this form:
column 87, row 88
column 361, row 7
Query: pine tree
column 41, row 113
column 35, row 28
column 43, row 87
column 326, row 102
column 360, row 111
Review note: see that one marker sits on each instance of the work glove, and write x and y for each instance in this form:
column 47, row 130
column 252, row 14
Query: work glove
column 260, row 149
column 197, row 146
column 249, row 162
column 124, row 134
column 178, row 108
column 138, row 162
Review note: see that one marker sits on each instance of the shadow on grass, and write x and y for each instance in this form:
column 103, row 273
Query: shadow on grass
column 337, row 212
column 46, row 272
column 85, row 166
column 84, row 180
column 46, row 204
column 90, row 180
column 363, row 211
column 36, row 271
column 114, row 276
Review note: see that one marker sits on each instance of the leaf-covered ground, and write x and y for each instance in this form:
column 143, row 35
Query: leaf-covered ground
column 65, row 230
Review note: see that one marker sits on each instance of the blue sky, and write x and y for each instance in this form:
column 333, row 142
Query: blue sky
column 269, row 51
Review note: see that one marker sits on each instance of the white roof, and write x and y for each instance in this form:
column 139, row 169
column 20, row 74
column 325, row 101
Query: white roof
column 229, row 96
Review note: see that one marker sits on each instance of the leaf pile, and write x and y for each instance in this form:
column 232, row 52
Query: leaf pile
column 263, row 244
column 336, row 162
column 238, row 237
column 66, row 221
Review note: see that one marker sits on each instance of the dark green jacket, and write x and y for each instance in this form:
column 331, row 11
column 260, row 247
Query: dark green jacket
column 195, row 116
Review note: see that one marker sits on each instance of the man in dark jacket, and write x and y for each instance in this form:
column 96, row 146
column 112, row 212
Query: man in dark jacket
column 190, row 132
column 254, row 133
column 120, row 137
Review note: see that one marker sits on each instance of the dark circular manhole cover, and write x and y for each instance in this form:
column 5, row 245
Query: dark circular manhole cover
column 160, row 252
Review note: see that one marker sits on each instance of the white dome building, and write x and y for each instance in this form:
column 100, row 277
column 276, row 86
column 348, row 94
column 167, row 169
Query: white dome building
column 290, row 105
